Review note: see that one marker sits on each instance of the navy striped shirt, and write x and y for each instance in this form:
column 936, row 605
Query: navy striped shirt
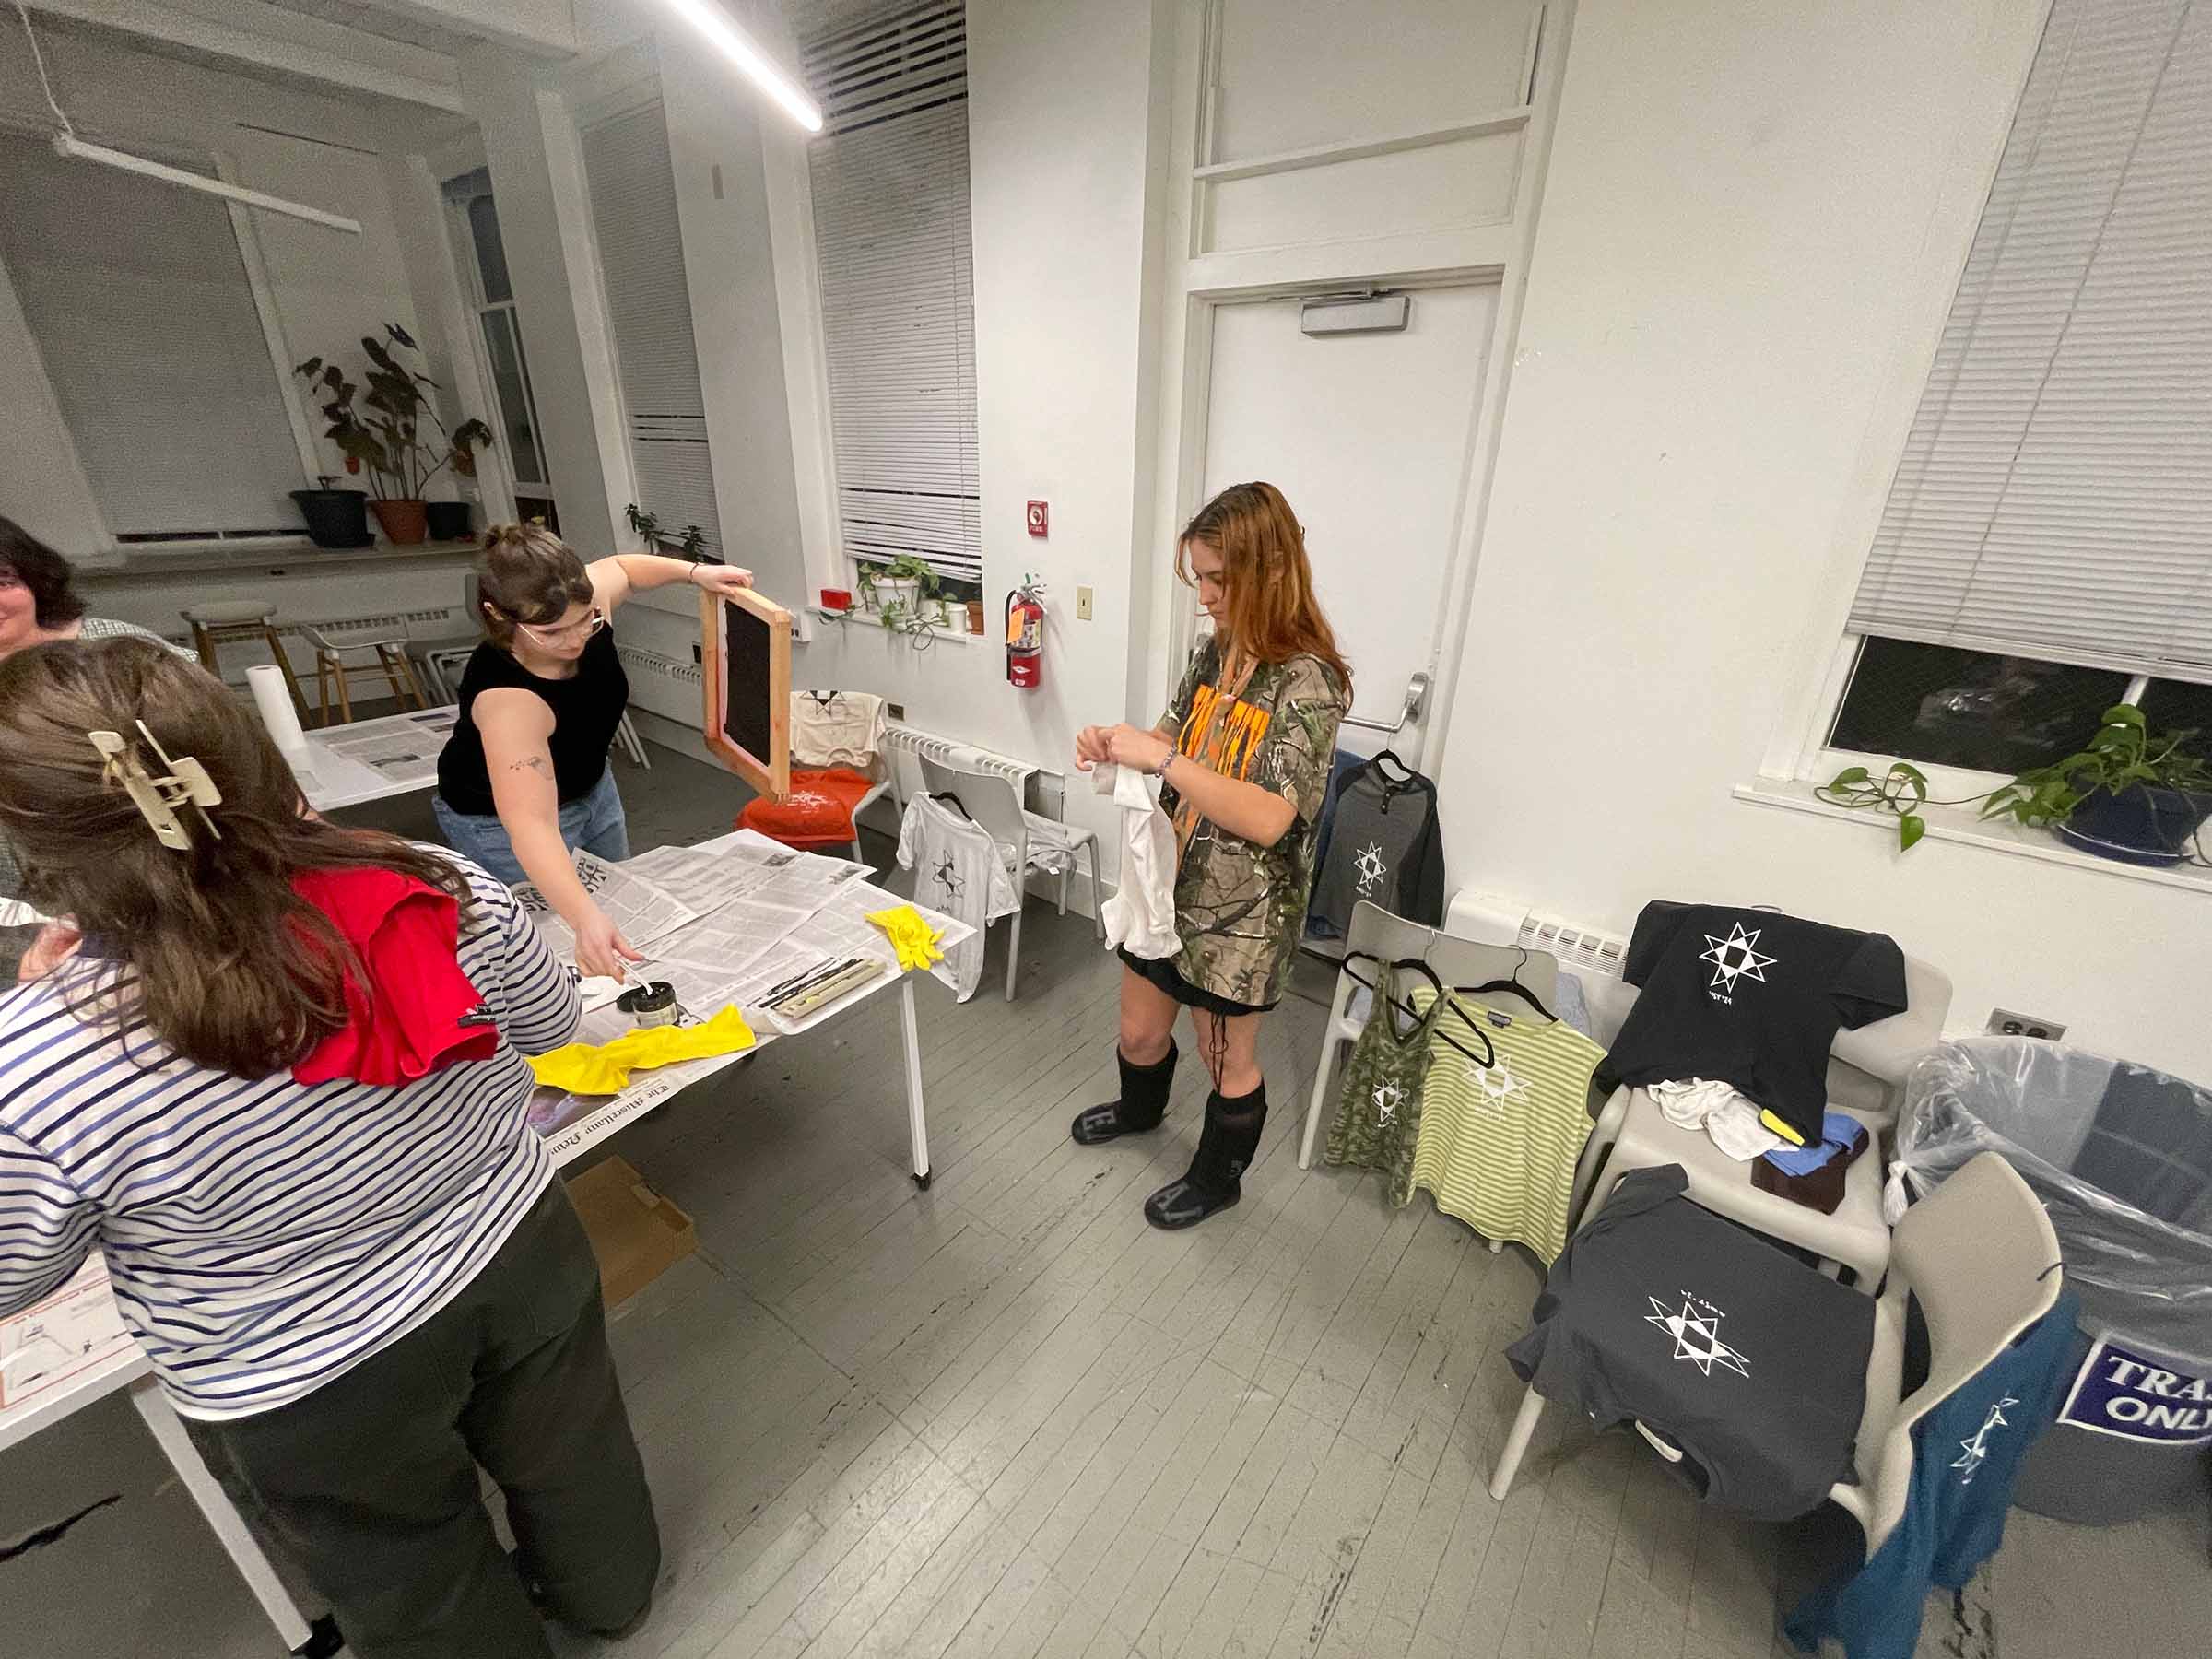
column 263, row 1236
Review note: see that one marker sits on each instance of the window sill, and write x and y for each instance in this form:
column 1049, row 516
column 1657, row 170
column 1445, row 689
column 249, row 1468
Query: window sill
column 866, row 621
column 1959, row 824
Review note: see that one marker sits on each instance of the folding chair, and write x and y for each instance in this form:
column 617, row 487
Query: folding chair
column 1026, row 840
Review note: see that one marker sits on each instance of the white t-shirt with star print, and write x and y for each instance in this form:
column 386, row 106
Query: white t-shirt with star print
column 957, row 870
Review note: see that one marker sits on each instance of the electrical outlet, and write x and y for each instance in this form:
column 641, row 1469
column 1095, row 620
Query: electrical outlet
column 697, row 657
column 896, row 711
column 1082, row 605
column 2004, row 1022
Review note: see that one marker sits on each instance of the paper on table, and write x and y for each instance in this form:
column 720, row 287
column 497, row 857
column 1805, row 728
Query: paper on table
column 641, row 910
column 52, row 1340
column 705, row 881
column 731, row 937
column 810, row 883
column 404, row 752
column 841, row 929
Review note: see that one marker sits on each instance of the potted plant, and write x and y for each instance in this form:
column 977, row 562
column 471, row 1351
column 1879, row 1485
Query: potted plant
column 391, row 432
column 903, row 592
column 2128, row 795
column 691, row 542
column 336, row 518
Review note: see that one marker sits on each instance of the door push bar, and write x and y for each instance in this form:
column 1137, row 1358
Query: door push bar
column 1416, row 694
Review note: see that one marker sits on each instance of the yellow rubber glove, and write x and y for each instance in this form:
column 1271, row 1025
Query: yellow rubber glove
column 603, row 1068
column 914, row 940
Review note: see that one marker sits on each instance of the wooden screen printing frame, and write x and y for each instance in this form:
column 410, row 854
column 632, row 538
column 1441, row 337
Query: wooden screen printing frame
column 768, row 773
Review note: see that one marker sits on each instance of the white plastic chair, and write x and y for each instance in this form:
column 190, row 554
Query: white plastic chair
column 391, row 654
column 1458, row 962
column 990, row 800
column 1981, row 1256
column 1867, row 1066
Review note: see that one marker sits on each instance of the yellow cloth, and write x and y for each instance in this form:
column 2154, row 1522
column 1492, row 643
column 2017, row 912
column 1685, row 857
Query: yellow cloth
column 1781, row 1126
column 910, row 936
column 603, row 1068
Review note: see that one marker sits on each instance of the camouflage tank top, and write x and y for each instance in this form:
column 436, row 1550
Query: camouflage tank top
column 1379, row 1111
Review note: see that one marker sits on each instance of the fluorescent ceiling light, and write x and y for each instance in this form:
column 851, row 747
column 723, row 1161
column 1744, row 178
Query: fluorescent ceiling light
column 68, row 144
column 710, row 21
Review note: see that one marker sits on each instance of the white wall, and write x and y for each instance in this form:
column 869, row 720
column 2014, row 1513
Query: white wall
column 1061, row 155
column 1752, row 223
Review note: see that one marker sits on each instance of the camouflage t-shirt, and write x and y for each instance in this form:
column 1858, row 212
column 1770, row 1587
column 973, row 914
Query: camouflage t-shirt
column 1240, row 907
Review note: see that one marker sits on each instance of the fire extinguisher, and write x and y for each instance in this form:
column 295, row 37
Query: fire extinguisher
column 1025, row 635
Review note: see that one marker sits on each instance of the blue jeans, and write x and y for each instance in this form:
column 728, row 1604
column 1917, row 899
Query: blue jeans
column 593, row 821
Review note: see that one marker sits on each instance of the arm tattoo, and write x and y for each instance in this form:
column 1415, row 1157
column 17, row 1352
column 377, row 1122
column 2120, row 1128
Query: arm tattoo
column 536, row 763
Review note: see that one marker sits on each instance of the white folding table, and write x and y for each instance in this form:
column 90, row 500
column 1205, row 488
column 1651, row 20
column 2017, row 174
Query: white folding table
column 124, row 1366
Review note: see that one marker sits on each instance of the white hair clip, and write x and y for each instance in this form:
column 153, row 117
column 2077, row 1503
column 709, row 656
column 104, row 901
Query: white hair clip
column 182, row 783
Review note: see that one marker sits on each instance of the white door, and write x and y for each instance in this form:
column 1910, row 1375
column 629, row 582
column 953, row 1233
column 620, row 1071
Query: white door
column 1368, row 437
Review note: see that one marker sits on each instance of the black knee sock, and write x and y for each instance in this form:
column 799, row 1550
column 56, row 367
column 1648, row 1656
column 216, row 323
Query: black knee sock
column 1144, row 1100
column 1230, row 1140
column 1226, row 1146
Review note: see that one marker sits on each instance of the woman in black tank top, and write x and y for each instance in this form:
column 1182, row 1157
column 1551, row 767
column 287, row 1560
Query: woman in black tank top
column 523, row 778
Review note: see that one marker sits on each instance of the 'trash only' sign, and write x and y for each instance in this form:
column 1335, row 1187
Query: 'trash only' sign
column 2121, row 1392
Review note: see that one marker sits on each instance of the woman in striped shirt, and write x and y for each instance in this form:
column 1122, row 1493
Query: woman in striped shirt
column 273, row 1069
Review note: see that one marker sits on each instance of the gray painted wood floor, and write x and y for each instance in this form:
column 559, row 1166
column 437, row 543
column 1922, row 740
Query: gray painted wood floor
column 1005, row 1418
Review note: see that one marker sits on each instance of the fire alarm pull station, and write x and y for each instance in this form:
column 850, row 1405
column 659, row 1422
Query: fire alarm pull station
column 1040, row 517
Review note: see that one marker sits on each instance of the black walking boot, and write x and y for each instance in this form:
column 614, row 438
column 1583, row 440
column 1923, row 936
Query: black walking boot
column 1226, row 1147
column 1143, row 1103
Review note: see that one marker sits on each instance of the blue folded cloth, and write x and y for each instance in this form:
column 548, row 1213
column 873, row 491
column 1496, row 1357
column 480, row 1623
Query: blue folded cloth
column 1840, row 1133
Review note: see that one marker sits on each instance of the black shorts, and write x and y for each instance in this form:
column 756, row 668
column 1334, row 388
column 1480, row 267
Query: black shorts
column 1160, row 973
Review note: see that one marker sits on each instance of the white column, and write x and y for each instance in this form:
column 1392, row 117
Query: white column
column 538, row 177
column 717, row 150
column 447, row 325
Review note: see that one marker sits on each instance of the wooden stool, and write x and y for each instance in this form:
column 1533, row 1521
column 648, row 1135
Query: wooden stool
column 234, row 621
column 330, row 667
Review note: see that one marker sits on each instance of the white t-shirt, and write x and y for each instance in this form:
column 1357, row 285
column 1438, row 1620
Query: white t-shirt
column 957, row 870
column 836, row 728
column 1141, row 914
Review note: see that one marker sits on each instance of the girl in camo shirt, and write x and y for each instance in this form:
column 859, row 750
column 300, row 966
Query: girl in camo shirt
column 1243, row 753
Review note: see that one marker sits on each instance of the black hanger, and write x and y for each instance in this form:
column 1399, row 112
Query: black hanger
column 1415, row 965
column 951, row 800
column 1513, row 986
column 1406, row 774
column 824, row 699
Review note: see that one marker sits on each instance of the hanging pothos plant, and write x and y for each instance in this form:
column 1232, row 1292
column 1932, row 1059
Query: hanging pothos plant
column 2123, row 756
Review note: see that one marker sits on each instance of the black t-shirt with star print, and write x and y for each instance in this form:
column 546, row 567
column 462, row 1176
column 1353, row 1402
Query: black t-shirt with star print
column 1752, row 998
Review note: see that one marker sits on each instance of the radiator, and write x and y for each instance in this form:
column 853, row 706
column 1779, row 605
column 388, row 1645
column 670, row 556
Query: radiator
column 663, row 686
column 1583, row 949
column 1502, row 919
column 1043, row 791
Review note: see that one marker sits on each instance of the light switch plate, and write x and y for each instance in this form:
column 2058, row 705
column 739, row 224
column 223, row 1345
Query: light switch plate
column 1082, row 605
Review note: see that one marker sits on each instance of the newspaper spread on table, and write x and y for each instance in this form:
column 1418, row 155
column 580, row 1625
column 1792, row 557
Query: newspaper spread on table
column 69, row 1333
column 643, row 910
column 757, row 918
column 402, row 751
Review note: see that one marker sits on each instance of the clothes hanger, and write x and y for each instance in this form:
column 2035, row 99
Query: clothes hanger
column 1512, row 984
column 948, row 799
column 1418, row 965
column 1406, row 774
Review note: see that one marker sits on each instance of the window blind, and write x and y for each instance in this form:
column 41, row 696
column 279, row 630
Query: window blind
column 137, row 297
column 2054, row 497
column 891, row 222
column 633, row 187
